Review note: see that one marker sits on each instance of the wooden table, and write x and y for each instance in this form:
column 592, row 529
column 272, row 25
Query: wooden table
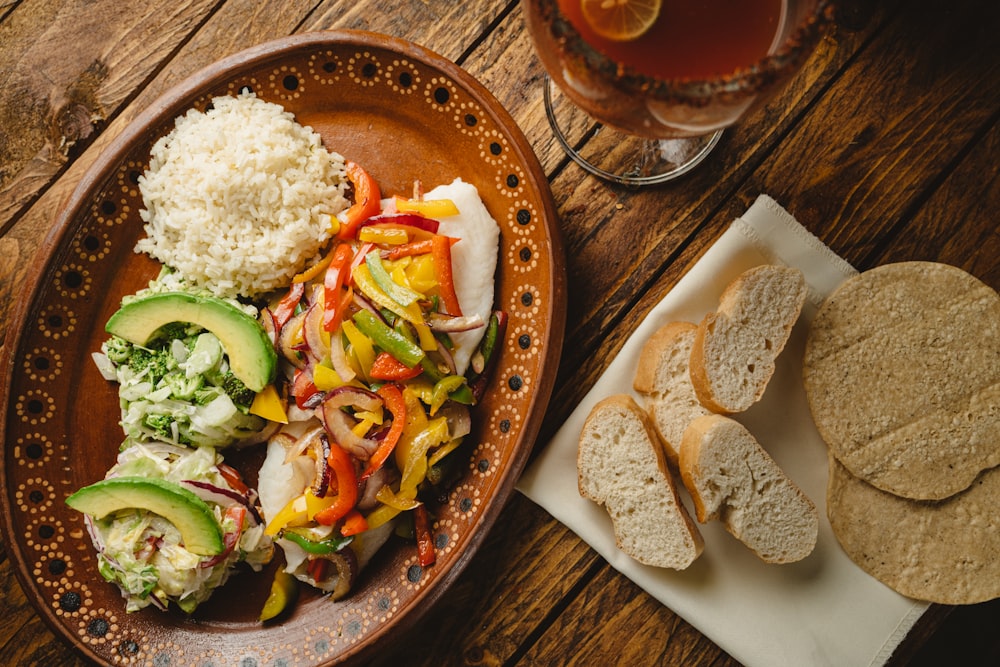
column 886, row 147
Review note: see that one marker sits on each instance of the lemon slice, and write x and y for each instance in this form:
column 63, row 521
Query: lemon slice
column 620, row 20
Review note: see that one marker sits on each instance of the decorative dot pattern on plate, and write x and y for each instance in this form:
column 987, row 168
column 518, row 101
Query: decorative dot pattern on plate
column 61, row 430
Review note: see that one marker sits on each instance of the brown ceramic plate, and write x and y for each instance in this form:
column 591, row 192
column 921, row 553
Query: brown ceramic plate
column 403, row 113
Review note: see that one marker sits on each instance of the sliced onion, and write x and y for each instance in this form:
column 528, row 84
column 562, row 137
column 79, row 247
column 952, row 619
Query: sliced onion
column 381, row 477
column 366, row 304
column 312, row 332
column 298, row 446
column 447, row 323
column 285, row 343
column 221, row 496
column 270, row 325
column 408, row 219
column 459, row 419
column 448, row 358
column 339, row 423
column 346, row 564
column 338, row 358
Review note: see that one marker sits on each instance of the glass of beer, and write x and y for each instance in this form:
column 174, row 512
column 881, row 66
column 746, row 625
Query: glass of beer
column 639, row 91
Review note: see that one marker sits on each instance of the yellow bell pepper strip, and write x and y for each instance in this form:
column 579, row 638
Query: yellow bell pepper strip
column 388, row 497
column 286, row 307
column 401, row 294
column 267, row 404
column 367, row 200
column 362, row 346
column 394, row 402
column 441, row 251
column 347, row 486
column 354, row 523
column 388, row 367
column 388, row 339
column 364, row 281
column 284, row 589
column 292, row 514
column 384, row 234
column 336, row 278
column 425, row 542
column 382, row 515
column 313, row 270
column 432, row 208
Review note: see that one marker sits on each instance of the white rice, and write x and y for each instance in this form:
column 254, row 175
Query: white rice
column 240, row 198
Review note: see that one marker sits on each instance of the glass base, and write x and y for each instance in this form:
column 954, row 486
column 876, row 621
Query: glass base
column 617, row 156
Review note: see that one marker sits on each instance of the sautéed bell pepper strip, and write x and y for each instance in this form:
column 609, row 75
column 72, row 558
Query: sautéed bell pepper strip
column 286, row 307
column 401, row 294
column 367, row 200
column 432, row 208
column 337, row 276
column 347, row 486
column 388, row 339
column 317, row 547
column 354, row 523
column 425, row 542
column 394, row 402
column 362, row 278
column 388, row 367
column 441, row 251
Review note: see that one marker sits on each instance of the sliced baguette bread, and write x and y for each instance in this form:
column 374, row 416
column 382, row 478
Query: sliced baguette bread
column 663, row 380
column 734, row 350
column 621, row 466
column 733, row 479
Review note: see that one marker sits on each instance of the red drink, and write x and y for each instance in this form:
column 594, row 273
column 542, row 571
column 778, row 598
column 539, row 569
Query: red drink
column 699, row 40
column 697, row 69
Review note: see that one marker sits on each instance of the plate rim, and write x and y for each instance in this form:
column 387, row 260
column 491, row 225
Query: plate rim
column 171, row 103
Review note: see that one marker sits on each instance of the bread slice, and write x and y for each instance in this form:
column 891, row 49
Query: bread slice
column 735, row 348
column 902, row 374
column 621, row 466
column 663, row 379
column 731, row 478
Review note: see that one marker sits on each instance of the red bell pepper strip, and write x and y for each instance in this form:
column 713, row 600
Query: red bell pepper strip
column 425, row 543
column 367, row 200
column 317, row 568
column 394, row 402
column 421, row 247
column 388, row 367
column 303, row 387
column 233, row 478
column 347, row 486
column 441, row 251
column 354, row 523
column 286, row 307
column 337, row 276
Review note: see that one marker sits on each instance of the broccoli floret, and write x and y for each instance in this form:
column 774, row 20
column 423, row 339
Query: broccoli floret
column 161, row 425
column 118, row 350
column 178, row 330
column 182, row 387
column 241, row 395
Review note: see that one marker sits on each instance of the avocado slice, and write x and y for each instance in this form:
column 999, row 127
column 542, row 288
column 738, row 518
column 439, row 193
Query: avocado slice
column 252, row 357
column 193, row 517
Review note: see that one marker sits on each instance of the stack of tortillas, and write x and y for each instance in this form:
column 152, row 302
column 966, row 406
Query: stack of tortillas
column 902, row 374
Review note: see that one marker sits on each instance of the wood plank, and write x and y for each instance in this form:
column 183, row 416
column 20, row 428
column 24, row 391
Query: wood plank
column 600, row 627
column 57, row 92
column 497, row 601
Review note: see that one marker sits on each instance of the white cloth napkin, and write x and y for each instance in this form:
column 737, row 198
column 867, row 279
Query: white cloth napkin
column 823, row 610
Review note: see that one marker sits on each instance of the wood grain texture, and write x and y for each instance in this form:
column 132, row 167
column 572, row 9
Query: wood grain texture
column 885, row 146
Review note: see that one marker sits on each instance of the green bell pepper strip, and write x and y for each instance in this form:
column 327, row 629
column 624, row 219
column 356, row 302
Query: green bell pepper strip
column 314, row 547
column 388, row 339
column 401, row 294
